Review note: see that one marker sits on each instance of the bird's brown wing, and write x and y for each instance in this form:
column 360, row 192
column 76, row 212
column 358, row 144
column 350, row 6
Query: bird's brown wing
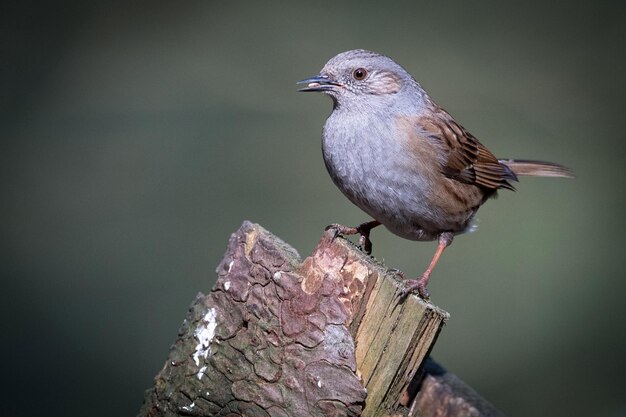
column 467, row 160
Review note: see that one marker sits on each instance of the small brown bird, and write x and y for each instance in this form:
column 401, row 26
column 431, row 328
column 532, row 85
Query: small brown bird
column 403, row 159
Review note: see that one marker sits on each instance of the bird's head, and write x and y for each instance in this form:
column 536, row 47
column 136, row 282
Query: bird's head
column 359, row 76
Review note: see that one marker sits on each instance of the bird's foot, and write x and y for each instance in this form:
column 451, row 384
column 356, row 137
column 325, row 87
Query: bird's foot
column 410, row 285
column 363, row 229
column 340, row 230
column 365, row 243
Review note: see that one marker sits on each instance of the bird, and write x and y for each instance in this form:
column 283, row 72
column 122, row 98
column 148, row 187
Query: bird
column 403, row 159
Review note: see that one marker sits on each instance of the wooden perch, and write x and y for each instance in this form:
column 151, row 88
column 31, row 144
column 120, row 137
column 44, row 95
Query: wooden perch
column 329, row 336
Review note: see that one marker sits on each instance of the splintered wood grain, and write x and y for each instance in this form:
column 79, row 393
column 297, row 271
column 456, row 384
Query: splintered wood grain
column 395, row 336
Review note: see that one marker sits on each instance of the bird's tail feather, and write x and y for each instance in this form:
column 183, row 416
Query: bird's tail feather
column 537, row 168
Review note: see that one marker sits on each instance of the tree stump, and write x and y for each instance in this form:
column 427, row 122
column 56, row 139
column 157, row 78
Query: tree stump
column 327, row 336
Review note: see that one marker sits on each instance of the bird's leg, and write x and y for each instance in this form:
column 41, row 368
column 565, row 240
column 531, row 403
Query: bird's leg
column 445, row 240
column 363, row 229
column 364, row 240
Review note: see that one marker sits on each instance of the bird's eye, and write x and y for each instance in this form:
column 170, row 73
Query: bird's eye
column 359, row 74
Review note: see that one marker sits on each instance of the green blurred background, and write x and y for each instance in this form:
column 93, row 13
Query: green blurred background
column 137, row 137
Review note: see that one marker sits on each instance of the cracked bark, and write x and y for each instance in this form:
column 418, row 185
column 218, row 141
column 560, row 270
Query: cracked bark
column 327, row 336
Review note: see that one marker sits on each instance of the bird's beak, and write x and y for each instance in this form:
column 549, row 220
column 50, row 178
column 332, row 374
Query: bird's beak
column 318, row 83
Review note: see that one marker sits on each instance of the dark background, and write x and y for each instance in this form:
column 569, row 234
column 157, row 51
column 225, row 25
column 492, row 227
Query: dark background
column 137, row 137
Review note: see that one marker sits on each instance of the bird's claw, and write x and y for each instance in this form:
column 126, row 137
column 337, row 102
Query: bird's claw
column 338, row 230
column 332, row 229
column 365, row 244
column 410, row 285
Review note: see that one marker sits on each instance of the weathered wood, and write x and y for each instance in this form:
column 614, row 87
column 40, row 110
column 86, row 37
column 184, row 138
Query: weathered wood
column 267, row 340
column 443, row 394
column 281, row 337
column 393, row 339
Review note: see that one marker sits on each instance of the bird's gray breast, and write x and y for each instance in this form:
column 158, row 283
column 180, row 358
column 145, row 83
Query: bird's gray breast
column 371, row 168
